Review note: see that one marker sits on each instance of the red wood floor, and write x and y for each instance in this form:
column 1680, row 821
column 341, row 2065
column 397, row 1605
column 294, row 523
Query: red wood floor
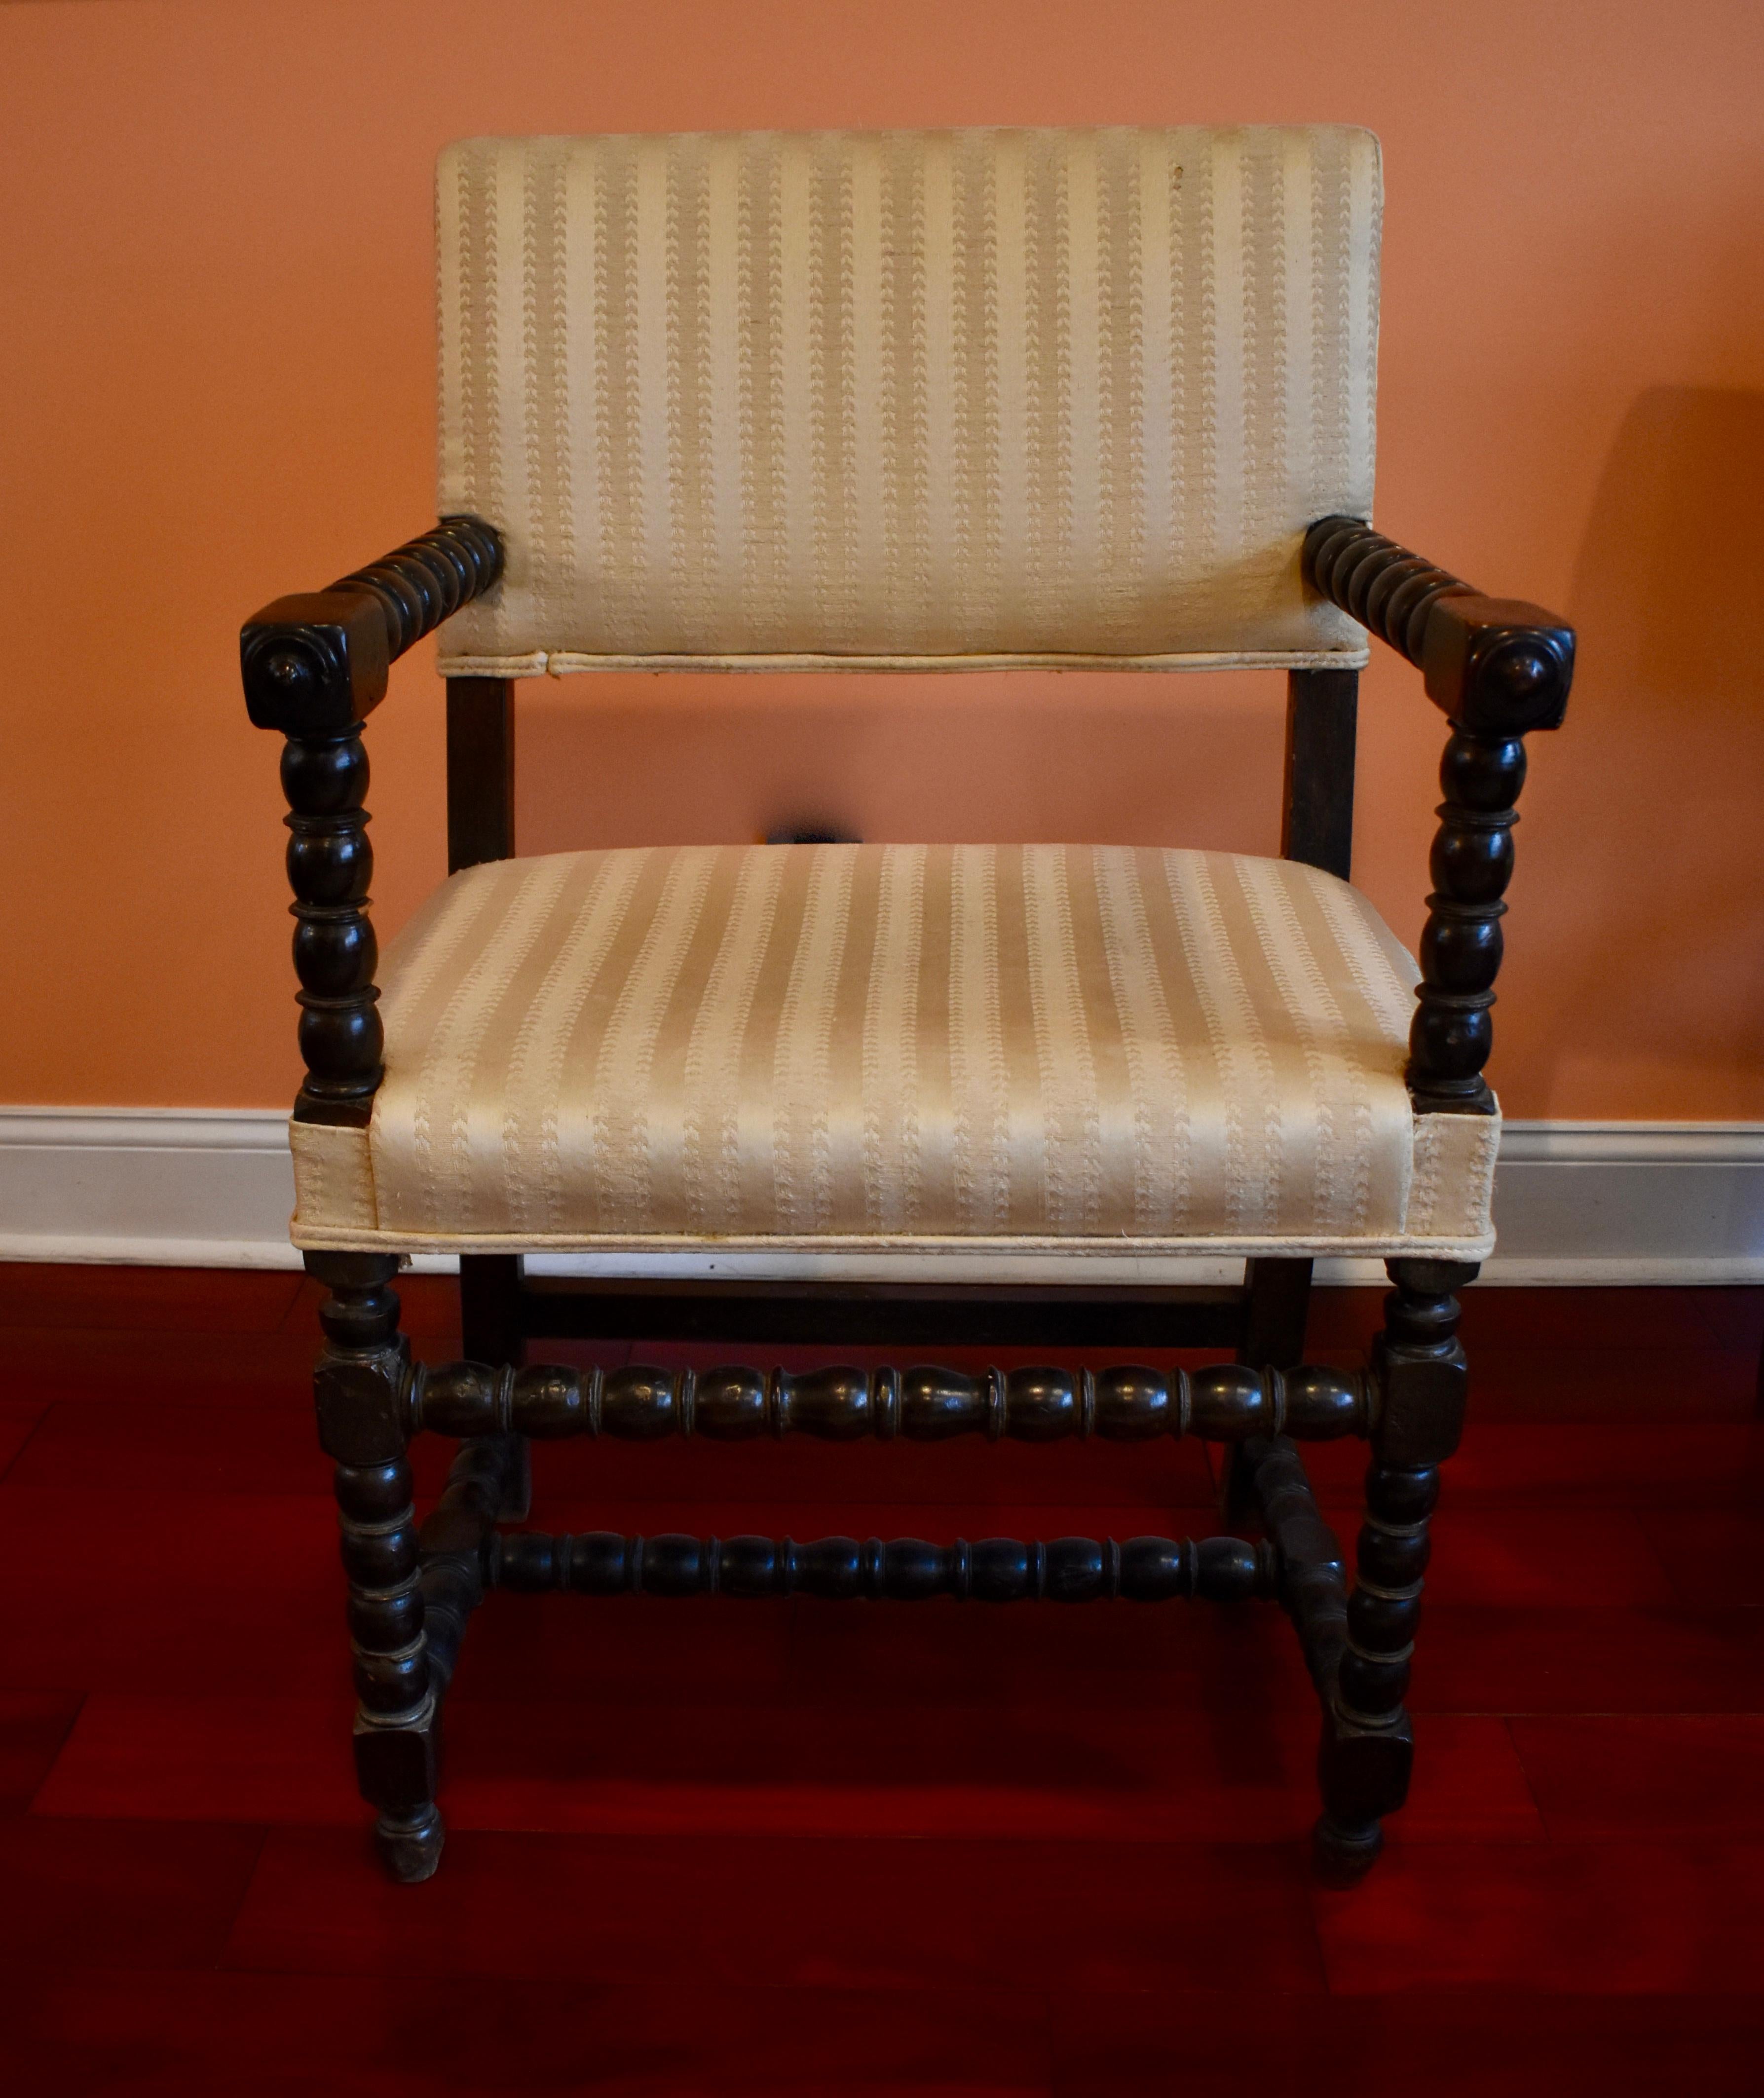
column 807, row 1847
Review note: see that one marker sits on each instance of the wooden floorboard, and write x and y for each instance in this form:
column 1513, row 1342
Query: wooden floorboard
column 803, row 1847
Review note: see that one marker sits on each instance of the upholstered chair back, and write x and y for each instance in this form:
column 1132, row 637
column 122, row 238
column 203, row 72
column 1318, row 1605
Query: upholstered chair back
column 922, row 400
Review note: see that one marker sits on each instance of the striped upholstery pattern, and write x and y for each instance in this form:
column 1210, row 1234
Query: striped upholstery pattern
column 889, row 1044
column 907, row 398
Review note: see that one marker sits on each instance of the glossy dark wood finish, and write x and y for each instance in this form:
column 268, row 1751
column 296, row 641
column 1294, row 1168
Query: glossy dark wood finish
column 330, row 864
column 1276, row 1305
column 490, row 1308
column 1225, row 1402
column 430, row 577
column 363, row 1372
column 1313, row 1586
column 480, row 771
column 994, row 1569
column 490, row 1331
column 1498, row 668
column 1276, row 1309
column 1317, row 800
column 481, row 827
column 315, row 664
column 1367, row 1743
column 314, row 667
column 1390, row 590
column 452, row 1541
column 1471, row 864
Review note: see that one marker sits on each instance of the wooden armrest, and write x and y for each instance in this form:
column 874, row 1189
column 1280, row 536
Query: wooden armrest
column 316, row 665
column 1497, row 666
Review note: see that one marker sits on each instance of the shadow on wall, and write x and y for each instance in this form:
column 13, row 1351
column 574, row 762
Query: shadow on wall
column 1660, row 999
column 984, row 757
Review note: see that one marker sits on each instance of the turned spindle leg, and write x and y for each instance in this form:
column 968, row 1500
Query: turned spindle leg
column 361, row 1386
column 1368, row 1744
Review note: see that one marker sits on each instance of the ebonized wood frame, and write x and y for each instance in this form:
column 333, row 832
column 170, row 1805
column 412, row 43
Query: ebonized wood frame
column 1497, row 668
column 315, row 666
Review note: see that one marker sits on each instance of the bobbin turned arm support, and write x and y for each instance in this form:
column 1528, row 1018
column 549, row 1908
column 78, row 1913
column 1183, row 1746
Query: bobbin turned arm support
column 314, row 667
column 1498, row 669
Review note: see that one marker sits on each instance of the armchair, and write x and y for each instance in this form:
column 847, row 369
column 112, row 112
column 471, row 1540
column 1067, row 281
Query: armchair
column 907, row 400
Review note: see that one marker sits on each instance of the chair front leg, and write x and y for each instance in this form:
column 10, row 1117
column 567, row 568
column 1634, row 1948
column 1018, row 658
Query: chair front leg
column 1368, row 1744
column 360, row 1387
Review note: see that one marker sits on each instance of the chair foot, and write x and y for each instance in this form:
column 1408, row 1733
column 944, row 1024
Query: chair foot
column 409, row 1845
column 1343, row 1853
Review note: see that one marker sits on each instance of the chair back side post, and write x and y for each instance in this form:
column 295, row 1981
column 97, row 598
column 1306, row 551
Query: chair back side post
column 1316, row 827
column 480, row 771
column 481, row 827
column 1317, row 806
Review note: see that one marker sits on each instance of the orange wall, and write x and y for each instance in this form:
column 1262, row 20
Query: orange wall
column 215, row 327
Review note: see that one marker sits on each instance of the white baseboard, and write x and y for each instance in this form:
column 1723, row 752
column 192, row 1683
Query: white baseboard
column 171, row 1186
column 1575, row 1202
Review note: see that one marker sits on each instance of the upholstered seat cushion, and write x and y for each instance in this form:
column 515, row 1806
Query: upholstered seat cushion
column 897, row 1046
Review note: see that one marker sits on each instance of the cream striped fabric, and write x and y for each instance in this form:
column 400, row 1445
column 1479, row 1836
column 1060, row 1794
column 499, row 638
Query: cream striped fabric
column 926, row 399
column 895, row 1044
